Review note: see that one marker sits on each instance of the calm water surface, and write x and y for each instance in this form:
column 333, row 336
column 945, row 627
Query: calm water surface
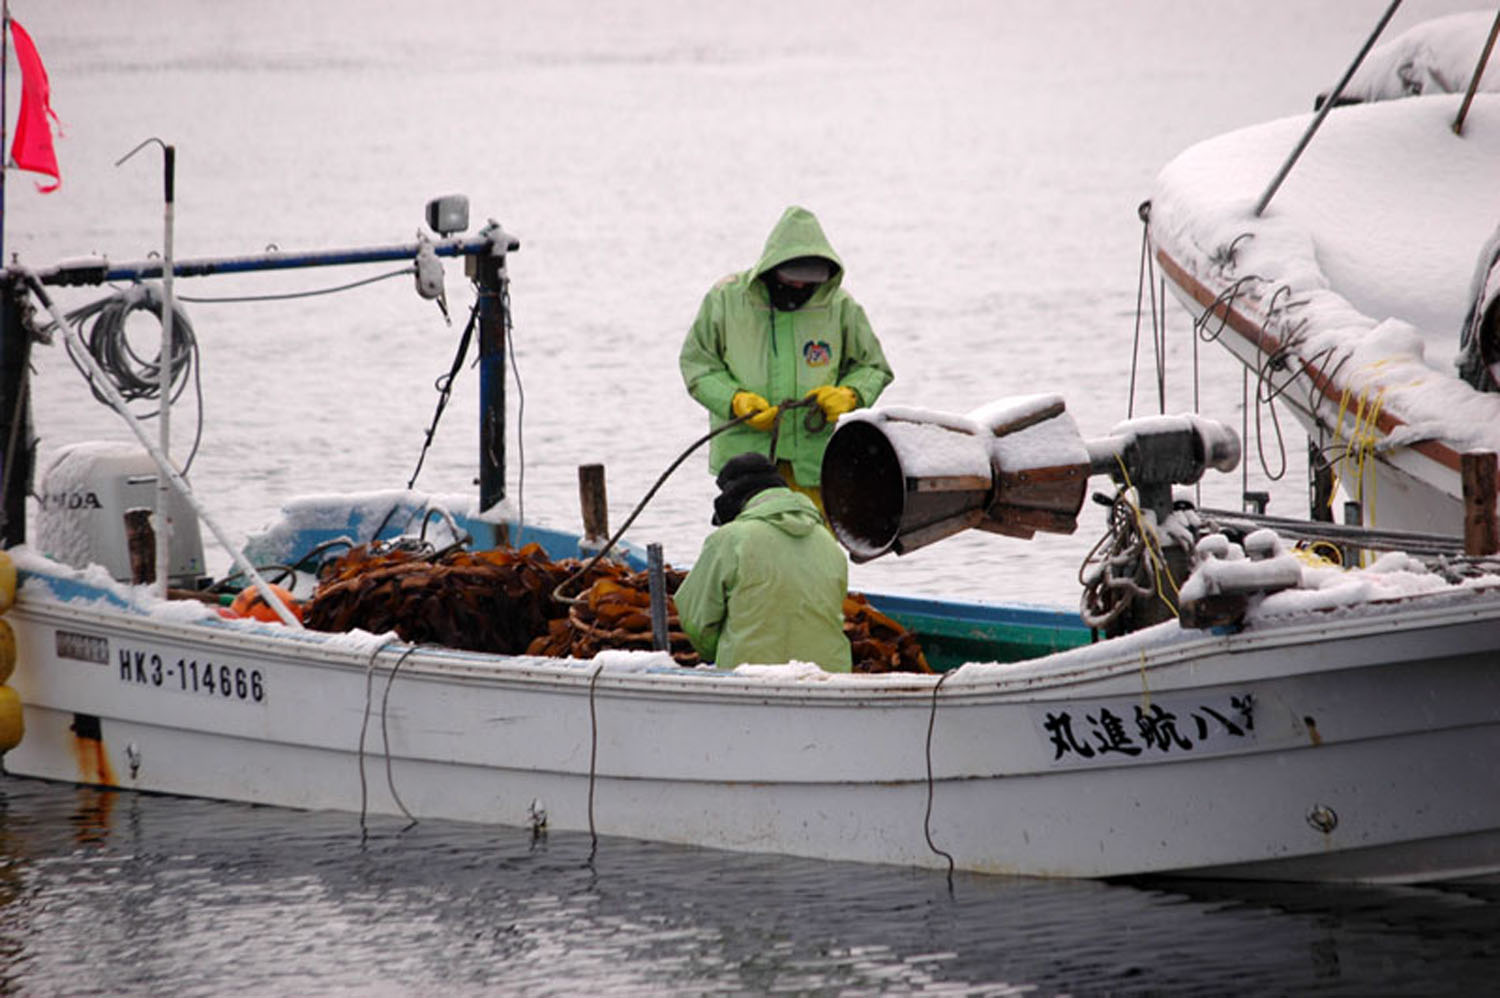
column 978, row 165
column 125, row 894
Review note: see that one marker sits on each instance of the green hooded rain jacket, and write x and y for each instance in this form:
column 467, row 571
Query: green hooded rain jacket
column 768, row 588
column 740, row 343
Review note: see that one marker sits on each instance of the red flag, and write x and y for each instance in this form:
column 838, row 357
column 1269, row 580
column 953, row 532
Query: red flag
column 32, row 148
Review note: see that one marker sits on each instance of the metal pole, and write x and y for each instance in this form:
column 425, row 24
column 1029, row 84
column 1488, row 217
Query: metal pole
column 100, row 271
column 4, row 96
column 1333, row 98
column 15, row 349
column 164, row 525
column 15, row 416
column 493, row 319
column 1484, row 58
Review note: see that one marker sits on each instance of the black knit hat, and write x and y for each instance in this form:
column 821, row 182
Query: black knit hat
column 742, row 477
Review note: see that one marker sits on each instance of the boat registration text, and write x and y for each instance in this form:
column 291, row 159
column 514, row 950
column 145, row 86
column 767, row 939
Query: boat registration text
column 219, row 680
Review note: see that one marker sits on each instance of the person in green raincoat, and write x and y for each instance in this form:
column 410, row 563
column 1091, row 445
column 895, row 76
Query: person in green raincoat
column 769, row 585
column 782, row 331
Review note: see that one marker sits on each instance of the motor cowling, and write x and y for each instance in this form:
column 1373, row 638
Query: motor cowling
column 86, row 492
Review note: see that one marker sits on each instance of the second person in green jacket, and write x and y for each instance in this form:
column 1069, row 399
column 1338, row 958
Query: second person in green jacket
column 769, row 585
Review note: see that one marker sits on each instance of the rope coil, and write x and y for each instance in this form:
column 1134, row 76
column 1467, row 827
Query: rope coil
column 134, row 375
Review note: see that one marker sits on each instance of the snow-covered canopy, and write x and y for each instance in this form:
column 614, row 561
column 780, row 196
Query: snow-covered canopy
column 1372, row 241
column 1435, row 57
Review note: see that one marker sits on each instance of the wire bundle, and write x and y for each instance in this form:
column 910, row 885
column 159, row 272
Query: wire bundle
column 137, row 377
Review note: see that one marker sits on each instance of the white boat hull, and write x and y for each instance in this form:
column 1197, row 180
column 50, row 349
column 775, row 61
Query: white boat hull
column 1352, row 745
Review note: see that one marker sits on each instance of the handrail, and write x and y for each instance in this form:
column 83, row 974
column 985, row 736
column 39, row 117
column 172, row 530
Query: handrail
column 1383, row 540
column 1333, row 98
column 1484, row 58
column 98, row 270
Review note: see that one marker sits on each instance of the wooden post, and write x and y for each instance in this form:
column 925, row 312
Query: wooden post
column 1480, row 534
column 591, row 499
column 1320, row 484
column 660, row 639
column 140, row 540
column 1354, row 516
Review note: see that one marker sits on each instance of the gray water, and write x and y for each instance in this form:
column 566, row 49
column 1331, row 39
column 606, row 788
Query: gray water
column 127, row 894
column 977, row 164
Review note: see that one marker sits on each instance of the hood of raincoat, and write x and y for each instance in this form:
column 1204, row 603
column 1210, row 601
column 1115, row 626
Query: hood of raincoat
column 798, row 234
column 790, row 512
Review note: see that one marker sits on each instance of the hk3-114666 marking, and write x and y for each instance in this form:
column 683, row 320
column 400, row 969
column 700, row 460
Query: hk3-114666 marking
column 188, row 675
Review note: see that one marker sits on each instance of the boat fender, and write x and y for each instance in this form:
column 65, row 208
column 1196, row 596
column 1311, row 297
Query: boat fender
column 7, row 582
column 12, row 727
column 250, row 603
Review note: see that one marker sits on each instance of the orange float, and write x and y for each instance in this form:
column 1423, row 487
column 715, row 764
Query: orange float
column 250, row 603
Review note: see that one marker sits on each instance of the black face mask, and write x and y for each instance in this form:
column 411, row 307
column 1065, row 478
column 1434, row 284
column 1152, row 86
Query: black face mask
column 785, row 298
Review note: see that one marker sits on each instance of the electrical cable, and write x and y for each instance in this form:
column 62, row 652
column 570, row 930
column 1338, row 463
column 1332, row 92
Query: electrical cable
column 385, row 736
column 927, row 817
column 593, row 761
column 609, row 544
column 136, row 377
column 510, row 343
column 364, row 725
column 290, row 295
column 444, row 386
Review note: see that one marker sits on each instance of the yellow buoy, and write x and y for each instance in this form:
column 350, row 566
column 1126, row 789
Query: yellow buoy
column 12, row 727
column 7, row 582
column 7, row 650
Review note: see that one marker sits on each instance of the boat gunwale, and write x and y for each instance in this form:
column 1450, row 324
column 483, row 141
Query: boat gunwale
column 1049, row 678
column 1258, row 334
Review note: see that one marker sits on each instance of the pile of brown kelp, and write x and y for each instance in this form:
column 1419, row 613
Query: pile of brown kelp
column 501, row 600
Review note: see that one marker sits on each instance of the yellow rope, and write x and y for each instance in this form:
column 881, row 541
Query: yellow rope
column 1361, row 444
column 1313, row 555
column 1153, row 546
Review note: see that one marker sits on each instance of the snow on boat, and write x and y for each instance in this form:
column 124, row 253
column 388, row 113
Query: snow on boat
column 1356, row 282
column 1296, row 721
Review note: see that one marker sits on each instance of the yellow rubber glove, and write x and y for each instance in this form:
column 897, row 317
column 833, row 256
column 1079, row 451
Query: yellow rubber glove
column 835, row 400
column 745, row 403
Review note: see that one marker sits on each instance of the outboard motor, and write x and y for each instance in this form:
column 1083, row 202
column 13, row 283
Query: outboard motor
column 85, row 494
column 897, row 479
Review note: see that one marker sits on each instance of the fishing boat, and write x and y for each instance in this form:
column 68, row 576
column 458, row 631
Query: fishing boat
column 1347, row 258
column 1266, row 718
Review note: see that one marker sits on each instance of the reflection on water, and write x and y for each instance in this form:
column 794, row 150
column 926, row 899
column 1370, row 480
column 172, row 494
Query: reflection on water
column 167, row 895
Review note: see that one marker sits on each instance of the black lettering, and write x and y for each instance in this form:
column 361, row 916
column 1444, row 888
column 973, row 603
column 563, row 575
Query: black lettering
column 1060, row 728
column 155, row 670
column 140, row 667
column 1158, row 729
column 1229, row 726
column 1109, row 731
column 125, row 665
